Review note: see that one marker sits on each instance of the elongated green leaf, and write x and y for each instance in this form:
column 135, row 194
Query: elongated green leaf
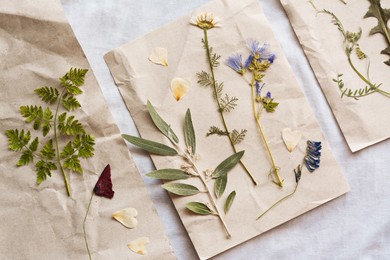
column 199, row 208
column 189, row 132
column 181, row 189
column 227, row 164
column 168, row 174
column 150, row 146
column 161, row 124
column 229, row 201
column 220, row 184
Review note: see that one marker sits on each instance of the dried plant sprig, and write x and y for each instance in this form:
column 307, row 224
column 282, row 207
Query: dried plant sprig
column 188, row 168
column 50, row 157
column 312, row 162
column 257, row 63
column 350, row 43
column 207, row 21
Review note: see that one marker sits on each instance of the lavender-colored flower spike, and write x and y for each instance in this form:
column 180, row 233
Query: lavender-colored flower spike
column 313, row 154
column 268, row 95
column 235, row 62
column 258, row 89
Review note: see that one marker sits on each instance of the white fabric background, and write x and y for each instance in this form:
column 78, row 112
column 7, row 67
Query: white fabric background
column 354, row 226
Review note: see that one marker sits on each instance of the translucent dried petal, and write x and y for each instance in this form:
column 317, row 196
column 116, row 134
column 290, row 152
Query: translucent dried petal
column 159, row 56
column 291, row 138
column 126, row 217
column 180, row 87
column 139, row 245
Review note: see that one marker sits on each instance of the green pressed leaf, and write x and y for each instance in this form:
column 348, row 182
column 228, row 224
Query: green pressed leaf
column 70, row 102
column 199, row 208
column 220, row 185
column 238, row 137
column 181, row 189
column 214, row 130
column 48, row 151
column 47, row 94
column 229, row 201
column 47, row 117
column 85, row 145
column 27, row 155
column 43, row 170
column 73, row 163
column 227, row 164
column 168, row 174
column 189, row 132
column 73, row 79
column 150, row 146
column 69, row 125
column 67, row 151
column 164, row 128
column 16, row 140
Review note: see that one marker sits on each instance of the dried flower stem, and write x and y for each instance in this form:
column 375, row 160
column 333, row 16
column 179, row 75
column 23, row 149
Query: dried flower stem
column 84, row 230
column 256, row 114
column 206, row 42
column 213, row 202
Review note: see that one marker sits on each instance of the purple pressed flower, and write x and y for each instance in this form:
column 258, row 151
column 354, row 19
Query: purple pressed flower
column 261, row 51
column 254, row 46
column 259, row 88
column 248, row 61
column 268, row 95
column 235, row 62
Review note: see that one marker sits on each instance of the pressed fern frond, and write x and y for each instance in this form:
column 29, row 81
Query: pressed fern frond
column 238, row 137
column 214, row 130
column 227, row 103
column 48, row 94
column 69, row 125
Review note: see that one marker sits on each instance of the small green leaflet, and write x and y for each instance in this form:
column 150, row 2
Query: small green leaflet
column 220, row 184
column 161, row 124
column 168, row 174
column 150, row 146
column 16, row 140
column 189, row 132
column 227, row 164
column 181, row 189
column 27, row 155
column 199, row 208
column 229, row 201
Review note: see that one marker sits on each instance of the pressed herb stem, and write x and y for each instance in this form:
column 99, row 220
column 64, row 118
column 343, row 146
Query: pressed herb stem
column 206, row 42
column 279, row 201
column 84, row 230
column 57, row 146
column 257, row 118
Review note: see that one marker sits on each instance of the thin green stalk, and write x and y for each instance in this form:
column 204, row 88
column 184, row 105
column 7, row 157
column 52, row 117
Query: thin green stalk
column 206, row 42
column 84, row 230
column 57, row 146
column 279, row 201
column 257, row 118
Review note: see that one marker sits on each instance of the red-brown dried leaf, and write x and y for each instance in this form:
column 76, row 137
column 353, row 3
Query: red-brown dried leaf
column 103, row 186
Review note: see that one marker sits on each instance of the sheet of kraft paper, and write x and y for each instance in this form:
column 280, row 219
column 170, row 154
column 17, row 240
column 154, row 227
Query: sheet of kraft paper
column 37, row 47
column 363, row 120
column 139, row 80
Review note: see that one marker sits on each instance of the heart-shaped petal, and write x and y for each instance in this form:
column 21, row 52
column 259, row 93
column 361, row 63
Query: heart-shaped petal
column 159, row 56
column 291, row 138
column 127, row 217
column 180, row 87
column 139, row 245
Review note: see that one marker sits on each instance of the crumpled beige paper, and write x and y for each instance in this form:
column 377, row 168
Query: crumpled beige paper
column 140, row 80
column 37, row 46
column 363, row 122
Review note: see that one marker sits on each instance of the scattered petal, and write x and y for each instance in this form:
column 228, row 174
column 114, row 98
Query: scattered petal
column 139, row 245
column 126, row 217
column 159, row 56
column 291, row 138
column 103, row 186
column 180, row 87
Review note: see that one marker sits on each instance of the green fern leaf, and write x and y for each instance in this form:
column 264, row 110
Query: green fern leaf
column 27, row 155
column 69, row 126
column 73, row 79
column 17, row 141
column 216, row 131
column 68, row 150
column 47, row 94
column 43, row 170
column 70, row 103
column 227, row 103
column 47, row 117
column 86, row 148
column 73, row 163
column 238, row 137
column 48, row 151
column 32, row 114
column 204, row 79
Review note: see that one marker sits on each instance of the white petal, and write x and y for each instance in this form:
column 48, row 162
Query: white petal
column 127, row 217
column 159, row 56
column 291, row 138
column 139, row 245
column 180, row 87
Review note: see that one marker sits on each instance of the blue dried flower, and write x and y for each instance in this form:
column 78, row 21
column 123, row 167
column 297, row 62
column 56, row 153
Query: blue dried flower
column 235, row 62
column 268, row 95
column 313, row 154
column 260, row 52
column 248, row 61
column 258, row 89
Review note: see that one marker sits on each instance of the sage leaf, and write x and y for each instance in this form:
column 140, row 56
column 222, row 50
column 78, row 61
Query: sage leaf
column 199, row 208
column 168, row 174
column 150, row 146
column 229, row 201
column 189, row 132
column 227, row 164
column 220, row 184
column 164, row 128
column 181, row 189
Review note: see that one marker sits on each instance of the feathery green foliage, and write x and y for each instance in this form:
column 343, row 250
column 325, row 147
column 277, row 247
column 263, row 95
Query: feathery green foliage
column 50, row 156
